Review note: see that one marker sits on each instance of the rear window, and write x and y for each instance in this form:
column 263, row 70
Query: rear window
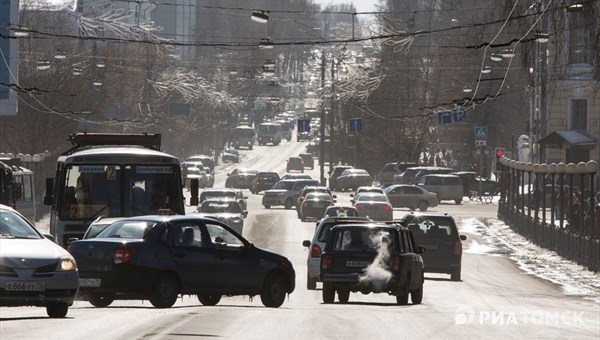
column 127, row 229
column 452, row 181
column 426, row 226
column 352, row 239
column 433, row 180
column 390, row 167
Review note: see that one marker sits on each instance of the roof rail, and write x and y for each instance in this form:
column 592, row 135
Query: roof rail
column 83, row 139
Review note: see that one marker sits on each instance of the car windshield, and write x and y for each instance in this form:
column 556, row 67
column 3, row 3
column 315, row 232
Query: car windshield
column 127, row 229
column 14, row 226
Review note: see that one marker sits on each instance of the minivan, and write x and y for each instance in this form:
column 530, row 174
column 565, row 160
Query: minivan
column 447, row 187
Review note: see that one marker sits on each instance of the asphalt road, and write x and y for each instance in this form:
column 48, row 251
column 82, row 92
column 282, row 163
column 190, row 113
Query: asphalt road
column 494, row 300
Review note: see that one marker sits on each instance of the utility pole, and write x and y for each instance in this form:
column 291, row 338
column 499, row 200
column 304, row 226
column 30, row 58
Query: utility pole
column 322, row 125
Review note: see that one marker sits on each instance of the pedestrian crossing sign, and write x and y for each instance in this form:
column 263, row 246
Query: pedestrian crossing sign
column 481, row 132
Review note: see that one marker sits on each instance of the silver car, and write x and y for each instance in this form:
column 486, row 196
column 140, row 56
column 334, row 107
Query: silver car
column 34, row 271
column 227, row 211
column 411, row 196
column 374, row 206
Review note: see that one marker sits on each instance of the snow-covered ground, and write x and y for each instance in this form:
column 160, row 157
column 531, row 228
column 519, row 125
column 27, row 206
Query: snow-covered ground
column 500, row 239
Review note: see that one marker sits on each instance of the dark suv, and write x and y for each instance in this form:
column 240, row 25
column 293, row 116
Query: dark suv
column 309, row 161
column 335, row 173
column 437, row 233
column 295, row 163
column 356, row 254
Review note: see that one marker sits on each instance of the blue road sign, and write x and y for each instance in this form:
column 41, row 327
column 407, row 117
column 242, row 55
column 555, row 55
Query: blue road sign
column 444, row 117
column 481, row 132
column 303, row 125
column 355, row 125
column 460, row 116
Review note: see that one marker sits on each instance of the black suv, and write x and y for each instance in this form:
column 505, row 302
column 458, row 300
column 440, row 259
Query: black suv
column 334, row 174
column 437, row 233
column 309, row 161
column 356, row 254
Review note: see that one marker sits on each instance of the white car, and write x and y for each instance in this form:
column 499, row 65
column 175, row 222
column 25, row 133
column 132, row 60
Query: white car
column 34, row 271
column 317, row 245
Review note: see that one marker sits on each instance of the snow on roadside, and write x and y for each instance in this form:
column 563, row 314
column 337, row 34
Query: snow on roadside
column 575, row 279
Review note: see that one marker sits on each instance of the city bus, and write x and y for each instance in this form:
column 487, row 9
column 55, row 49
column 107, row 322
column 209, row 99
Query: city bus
column 269, row 132
column 6, row 185
column 243, row 136
column 112, row 175
column 22, row 194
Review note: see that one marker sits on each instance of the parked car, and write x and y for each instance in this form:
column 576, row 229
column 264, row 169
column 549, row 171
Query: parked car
column 334, row 174
column 295, row 163
column 340, row 211
column 314, row 205
column 309, row 161
column 352, row 258
column 317, row 245
column 411, row 197
column 447, row 187
column 285, row 192
column 227, row 210
column 471, row 181
column 35, row 271
column 351, row 179
column 231, row 155
column 198, row 255
column 437, row 233
column 263, row 181
column 374, row 206
column 240, row 178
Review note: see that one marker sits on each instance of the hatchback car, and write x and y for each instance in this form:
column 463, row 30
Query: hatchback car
column 240, row 178
column 437, row 233
column 309, row 161
column 295, row 163
column 374, row 206
column 34, row 271
column 160, row 258
column 226, row 210
column 411, row 196
column 263, row 181
column 317, row 245
column 314, row 205
column 334, row 174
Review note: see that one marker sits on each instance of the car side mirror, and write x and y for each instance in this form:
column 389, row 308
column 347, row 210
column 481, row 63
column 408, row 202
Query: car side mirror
column 306, row 243
column 421, row 249
column 51, row 238
column 245, row 214
column 70, row 240
column 463, row 237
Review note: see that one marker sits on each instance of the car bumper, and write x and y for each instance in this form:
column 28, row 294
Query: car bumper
column 313, row 266
column 376, row 215
column 359, row 282
column 273, row 200
column 123, row 279
column 313, row 212
column 61, row 287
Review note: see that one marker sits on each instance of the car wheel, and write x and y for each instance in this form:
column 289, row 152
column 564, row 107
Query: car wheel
column 288, row 204
column 57, row 310
column 458, row 201
column 101, row 300
column 209, row 299
column 273, row 291
column 402, row 299
column 416, row 296
column 423, row 205
column 328, row 293
column 455, row 274
column 311, row 284
column 165, row 292
column 303, row 219
column 267, row 206
column 343, row 295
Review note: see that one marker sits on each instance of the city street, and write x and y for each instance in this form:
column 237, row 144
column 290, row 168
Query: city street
column 495, row 298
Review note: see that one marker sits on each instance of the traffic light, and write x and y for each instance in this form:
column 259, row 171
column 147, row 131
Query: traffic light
column 499, row 154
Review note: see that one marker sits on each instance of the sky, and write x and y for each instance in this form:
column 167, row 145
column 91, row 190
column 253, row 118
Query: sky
column 361, row 5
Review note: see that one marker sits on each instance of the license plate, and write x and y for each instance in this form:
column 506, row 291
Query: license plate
column 430, row 246
column 25, row 286
column 87, row 282
column 357, row 264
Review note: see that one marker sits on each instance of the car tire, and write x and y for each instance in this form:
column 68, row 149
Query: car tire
column 416, row 296
column 165, row 292
column 57, row 310
column 455, row 274
column 209, row 299
column 273, row 291
column 402, row 300
column 303, row 219
column 343, row 295
column 328, row 293
column 423, row 205
column 267, row 206
column 288, row 203
column 311, row 284
column 458, row 201
column 101, row 301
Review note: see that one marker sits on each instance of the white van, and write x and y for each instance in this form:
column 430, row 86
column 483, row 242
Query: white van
column 447, row 187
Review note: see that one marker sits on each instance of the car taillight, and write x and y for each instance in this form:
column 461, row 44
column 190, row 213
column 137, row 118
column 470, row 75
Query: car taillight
column 315, row 250
column 457, row 248
column 394, row 263
column 301, row 198
column 386, row 207
column 326, row 262
column 123, row 254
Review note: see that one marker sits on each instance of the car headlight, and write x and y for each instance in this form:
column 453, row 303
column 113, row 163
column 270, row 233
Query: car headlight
column 236, row 220
column 66, row 264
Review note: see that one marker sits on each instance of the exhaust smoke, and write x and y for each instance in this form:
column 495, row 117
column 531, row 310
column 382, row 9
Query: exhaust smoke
column 377, row 274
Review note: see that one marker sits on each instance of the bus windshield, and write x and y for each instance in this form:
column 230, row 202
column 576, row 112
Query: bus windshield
column 268, row 129
column 115, row 190
column 244, row 132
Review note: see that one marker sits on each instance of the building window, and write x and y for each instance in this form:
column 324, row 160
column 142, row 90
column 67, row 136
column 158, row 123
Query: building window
column 578, row 114
column 579, row 36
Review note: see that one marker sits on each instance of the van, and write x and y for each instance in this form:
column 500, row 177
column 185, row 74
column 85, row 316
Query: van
column 447, row 187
